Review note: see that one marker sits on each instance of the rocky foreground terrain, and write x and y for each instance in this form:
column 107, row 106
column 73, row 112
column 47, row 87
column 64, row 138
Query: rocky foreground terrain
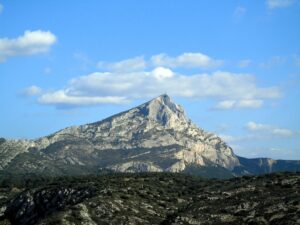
column 131, row 168
column 152, row 198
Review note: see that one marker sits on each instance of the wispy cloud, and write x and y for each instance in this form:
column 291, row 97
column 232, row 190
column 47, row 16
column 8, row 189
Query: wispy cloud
column 30, row 43
column 239, row 104
column 297, row 60
column 185, row 60
column 31, row 91
column 244, row 63
column 270, row 129
column 260, row 132
column 84, row 62
column 277, row 152
column 1, row 8
column 239, row 12
column 273, row 62
column 127, row 65
column 61, row 98
column 47, row 70
column 272, row 4
column 235, row 139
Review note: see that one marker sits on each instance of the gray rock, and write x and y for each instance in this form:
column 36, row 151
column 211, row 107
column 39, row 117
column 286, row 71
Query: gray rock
column 155, row 136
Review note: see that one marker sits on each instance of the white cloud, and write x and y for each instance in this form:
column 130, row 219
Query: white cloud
column 31, row 42
column 273, row 62
column 272, row 4
column 186, row 60
column 283, row 132
column 1, row 8
column 227, row 138
column 270, row 130
column 127, row 65
column 257, row 126
column 62, row 98
column 242, row 138
column 161, row 73
column 31, row 91
column 239, row 12
column 239, row 88
column 244, row 63
column 235, row 104
column 259, row 132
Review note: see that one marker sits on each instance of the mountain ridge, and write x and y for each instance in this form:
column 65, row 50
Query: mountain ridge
column 155, row 136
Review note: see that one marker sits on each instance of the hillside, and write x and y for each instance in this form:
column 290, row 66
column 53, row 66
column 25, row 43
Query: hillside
column 153, row 198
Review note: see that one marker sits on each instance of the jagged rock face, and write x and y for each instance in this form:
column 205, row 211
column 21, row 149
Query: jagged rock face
column 9, row 149
column 155, row 136
column 136, row 166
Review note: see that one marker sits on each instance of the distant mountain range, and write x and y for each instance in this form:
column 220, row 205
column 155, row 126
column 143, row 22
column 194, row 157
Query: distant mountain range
column 153, row 137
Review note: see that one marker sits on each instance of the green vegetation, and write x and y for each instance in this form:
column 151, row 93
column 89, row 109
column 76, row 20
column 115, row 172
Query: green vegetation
column 151, row 198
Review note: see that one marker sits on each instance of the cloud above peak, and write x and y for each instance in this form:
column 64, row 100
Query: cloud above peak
column 185, row 60
column 229, row 90
column 188, row 60
column 30, row 43
column 127, row 65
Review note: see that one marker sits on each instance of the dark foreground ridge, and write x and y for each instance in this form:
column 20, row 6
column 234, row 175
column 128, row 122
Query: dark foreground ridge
column 153, row 198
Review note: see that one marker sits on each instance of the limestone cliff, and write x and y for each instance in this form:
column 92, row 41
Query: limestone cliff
column 155, row 136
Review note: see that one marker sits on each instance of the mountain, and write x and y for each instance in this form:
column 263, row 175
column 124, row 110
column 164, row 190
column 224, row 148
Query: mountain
column 153, row 137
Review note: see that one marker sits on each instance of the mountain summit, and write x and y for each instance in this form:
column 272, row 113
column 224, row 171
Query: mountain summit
column 164, row 111
column 153, row 137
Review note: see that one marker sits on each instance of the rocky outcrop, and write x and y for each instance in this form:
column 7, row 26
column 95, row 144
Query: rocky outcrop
column 9, row 149
column 30, row 206
column 136, row 166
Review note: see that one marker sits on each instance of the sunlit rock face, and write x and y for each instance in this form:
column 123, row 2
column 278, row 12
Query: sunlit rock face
column 153, row 137
column 159, row 127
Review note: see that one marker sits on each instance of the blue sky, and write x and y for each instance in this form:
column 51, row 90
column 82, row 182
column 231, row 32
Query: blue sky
column 234, row 67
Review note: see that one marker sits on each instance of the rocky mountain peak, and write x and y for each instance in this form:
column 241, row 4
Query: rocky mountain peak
column 163, row 110
column 164, row 99
column 155, row 136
